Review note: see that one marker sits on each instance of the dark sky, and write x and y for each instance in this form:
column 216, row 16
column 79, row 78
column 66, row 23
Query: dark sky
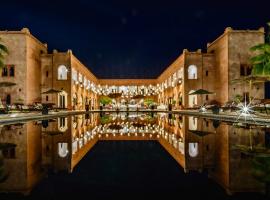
column 127, row 38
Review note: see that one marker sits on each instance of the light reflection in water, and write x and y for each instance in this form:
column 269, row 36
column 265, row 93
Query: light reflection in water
column 225, row 151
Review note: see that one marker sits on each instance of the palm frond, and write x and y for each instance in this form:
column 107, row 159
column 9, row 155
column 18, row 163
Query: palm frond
column 259, row 58
column 3, row 48
column 266, row 69
column 259, row 47
column 257, row 69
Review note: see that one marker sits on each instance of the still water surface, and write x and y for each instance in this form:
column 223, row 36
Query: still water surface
column 133, row 155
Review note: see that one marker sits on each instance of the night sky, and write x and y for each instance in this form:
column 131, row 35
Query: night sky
column 126, row 38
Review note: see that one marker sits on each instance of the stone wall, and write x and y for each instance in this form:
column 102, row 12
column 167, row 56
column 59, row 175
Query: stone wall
column 220, row 49
column 239, row 53
column 34, row 49
column 16, row 44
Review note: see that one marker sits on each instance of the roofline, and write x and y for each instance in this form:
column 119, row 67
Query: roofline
column 25, row 31
column 77, row 60
column 157, row 79
column 230, row 30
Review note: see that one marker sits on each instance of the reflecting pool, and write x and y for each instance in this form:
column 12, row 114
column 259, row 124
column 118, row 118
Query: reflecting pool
column 135, row 154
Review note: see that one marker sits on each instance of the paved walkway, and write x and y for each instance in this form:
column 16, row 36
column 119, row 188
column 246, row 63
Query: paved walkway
column 228, row 116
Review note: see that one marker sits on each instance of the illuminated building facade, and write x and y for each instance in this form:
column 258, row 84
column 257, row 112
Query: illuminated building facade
column 36, row 71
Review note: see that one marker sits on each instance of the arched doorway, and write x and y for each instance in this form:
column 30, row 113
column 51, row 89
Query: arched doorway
column 62, row 124
column 62, row 99
column 193, row 123
column 192, row 99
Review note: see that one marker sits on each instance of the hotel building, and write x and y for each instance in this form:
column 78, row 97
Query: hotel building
column 34, row 70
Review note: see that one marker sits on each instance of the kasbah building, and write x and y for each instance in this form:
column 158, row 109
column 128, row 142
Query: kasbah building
column 34, row 70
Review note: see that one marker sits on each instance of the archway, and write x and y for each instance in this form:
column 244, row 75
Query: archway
column 62, row 72
column 193, row 149
column 192, row 123
column 192, row 72
column 192, row 99
column 62, row 124
column 62, row 99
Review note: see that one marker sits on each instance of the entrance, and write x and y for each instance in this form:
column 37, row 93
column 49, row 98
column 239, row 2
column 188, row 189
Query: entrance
column 62, row 99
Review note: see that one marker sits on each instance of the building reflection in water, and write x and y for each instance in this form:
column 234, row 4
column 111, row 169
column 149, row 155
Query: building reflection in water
column 31, row 150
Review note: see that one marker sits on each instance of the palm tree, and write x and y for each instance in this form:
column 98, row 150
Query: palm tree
column 261, row 62
column 3, row 51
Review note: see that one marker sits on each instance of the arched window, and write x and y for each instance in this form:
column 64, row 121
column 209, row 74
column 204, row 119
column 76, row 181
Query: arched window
column 74, row 146
column 193, row 149
column 181, row 147
column 62, row 149
column 74, row 75
column 62, row 72
column 192, row 72
column 193, row 123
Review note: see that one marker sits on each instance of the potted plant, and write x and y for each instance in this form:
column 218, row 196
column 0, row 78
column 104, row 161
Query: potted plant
column 104, row 100
column 148, row 102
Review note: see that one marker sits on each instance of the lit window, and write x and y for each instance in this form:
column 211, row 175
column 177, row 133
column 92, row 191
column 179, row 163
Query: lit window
column 180, row 73
column 80, row 78
column 84, row 81
column 192, row 72
column 193, row 123
column 62, row 149
column 74, row 75
column 62, row 72
column 193, row 149
column 88, row 84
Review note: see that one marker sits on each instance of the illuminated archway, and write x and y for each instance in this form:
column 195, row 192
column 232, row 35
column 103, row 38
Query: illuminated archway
column 192, row 123
column 193, row 149
column 62, row 72
column 192, row 72
column 62, row 149
column 192, row 99
column 62, row 99
column 62, row 124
